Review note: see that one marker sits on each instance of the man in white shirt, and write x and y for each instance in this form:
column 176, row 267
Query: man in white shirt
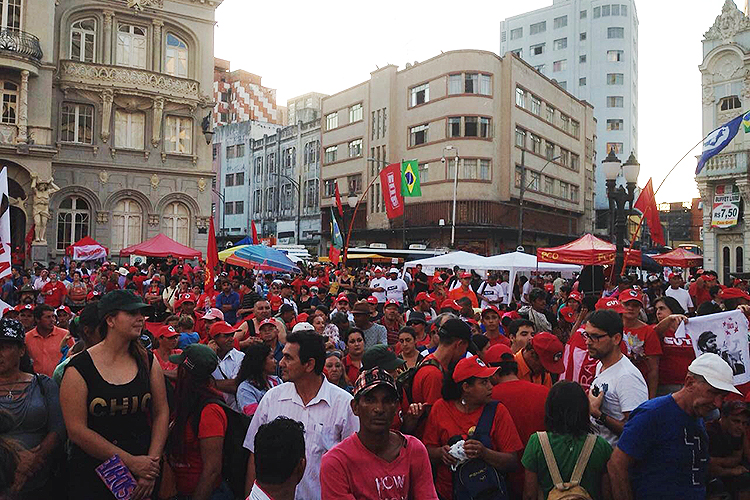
column 395, row 287
column 619, row 387
column 678, row 293
column 377, row 287
column 491, row 292
column 306, row 396
column 221, row 337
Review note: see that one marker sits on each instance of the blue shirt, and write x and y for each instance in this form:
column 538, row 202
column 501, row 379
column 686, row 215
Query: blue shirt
column 232, row 299
column 188, row 338
column 670, row 449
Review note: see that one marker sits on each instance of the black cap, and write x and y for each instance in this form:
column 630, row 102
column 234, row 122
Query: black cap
column 380, row 356
column 456, row 328
column 12, row 329
column 416, row 317
column 285, row 308
column 120, row 300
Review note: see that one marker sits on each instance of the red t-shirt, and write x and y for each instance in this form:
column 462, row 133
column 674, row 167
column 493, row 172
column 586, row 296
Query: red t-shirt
column 458, row 293
column 188, row 468
column 55, row 299
column 579, row 366
column 699, row 295
column 677, row 355
column 428, row 383
column 446, row 421
column 641, row 342
column 139, row 280
column 165, row 364
column 352, row 371
column 500, row 339
column 351, row 472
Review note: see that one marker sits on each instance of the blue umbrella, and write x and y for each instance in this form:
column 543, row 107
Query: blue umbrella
column 265, row 256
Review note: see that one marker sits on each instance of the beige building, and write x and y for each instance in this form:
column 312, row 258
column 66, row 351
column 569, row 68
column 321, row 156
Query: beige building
column 111, row 144
column 500, row 116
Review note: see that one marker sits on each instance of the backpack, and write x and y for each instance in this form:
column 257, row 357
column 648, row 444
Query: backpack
column 476, row 479
column 406, row 379
column 571, row 490
column 234, row 455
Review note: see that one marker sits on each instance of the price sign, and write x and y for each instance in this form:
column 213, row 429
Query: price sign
column 726, row 208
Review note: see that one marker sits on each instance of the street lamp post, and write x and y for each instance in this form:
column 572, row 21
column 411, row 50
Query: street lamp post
column 221, row 197
column 299, row 200
column 455, row 190
column 619, row 197
column 523, row 189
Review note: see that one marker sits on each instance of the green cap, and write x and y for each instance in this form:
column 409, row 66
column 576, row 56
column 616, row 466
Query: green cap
column 120, row 300
column 379, row 356
column 199, row 359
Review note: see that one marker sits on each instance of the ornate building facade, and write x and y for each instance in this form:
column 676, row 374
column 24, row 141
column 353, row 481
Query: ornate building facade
column 724, row 183
column 115, row 143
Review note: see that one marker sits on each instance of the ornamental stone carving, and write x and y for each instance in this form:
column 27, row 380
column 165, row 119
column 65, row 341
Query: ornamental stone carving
column 154, row 181
column 729, row 23
column 139, row 5
column 708, row 95
column 107, row 98
column 153, row 219
column 201, row 184
column 201, row 222
column 102, row 217
column 103, row 176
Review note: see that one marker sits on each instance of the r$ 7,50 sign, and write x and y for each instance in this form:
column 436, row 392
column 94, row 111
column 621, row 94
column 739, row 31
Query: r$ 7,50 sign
column 726, row 210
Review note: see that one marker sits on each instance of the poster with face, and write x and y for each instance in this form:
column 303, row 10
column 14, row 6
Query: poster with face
column 725, row 334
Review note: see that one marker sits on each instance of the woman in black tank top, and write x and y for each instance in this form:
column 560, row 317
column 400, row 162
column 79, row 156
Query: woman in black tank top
column 114, row 402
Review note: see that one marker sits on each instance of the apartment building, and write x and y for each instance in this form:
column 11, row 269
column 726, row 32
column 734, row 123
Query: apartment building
column 501, row 118
column 590, row 47
column 240, row 96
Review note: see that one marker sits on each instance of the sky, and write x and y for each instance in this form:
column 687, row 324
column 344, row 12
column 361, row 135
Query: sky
column 300, row 46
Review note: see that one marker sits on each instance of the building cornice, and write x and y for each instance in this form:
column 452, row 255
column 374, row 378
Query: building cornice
column 730, row 22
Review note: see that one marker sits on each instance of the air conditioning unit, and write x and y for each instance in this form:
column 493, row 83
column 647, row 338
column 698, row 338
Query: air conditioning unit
column 417, row 246
column 381, row 246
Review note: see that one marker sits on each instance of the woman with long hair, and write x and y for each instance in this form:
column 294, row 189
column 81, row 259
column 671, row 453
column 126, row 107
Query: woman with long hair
column 304, row 299
column 355, row 346
column 677, row 353
column 200, row 423
column 407, row 339
column 114, row 402
column 256, row 376
column 566, row 417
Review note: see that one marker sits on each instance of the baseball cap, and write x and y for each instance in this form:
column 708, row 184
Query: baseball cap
column 567, row 314
column 188, row 297
column 438, row 281
column 416, row 317
column 550, row 351
column 715, row 370
column 342, row 298
column 214, row 313
column 491, row 308
column 456, row 328
column 378, row 269
column 285, row 308
column 631, row 295
column 380, row 356
column 734, row 293
column 575, row 296
column 267, row 321
column 93, row 294
column 198, row 359
column 472, row 367
column 393, row 270
column 391, row 302
column 495, row 354
column 361, row 307
column 370, row 379
column 450, row 304
column 166, row 331
column 64, row 309
column 422, row 296
column 21, row 307
column 513, row 315
column 465, row 275
column 122, row 271
column 120, row 300
column 609, row 303
column 12, row 329
column 220, row 328
column 372, row 300
column 303, row 326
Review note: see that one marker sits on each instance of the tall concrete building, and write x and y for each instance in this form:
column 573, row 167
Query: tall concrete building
column 724, row 182
column 105, row 108
column 240, row 96
column 590, row 47
column 507, row 124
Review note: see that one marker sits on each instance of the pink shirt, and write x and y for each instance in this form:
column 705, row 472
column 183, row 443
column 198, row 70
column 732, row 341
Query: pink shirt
column 350, row 472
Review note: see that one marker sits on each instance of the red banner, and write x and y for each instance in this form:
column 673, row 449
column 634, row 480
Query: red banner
column 646, row 203
column 390, row 180
column 212, row 257
column 255, row 232
column 338, row 200
column 333, row 255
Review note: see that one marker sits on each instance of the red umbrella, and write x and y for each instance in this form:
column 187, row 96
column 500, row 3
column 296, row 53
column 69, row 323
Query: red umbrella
column 679, row 257
column 588, row 250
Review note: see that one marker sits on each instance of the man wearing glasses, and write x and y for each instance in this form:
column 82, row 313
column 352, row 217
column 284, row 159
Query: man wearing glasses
column 619, row 387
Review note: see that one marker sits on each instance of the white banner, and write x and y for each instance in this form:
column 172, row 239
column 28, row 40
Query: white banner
column 724, row 334
column 726, row 207
column 4, row 225
column 89, row 252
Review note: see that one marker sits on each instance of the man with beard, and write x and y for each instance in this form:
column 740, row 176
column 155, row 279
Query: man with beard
column 663, row 451
column 27, row 295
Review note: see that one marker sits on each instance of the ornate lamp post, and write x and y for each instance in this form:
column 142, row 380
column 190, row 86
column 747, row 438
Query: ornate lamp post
column 619, row 197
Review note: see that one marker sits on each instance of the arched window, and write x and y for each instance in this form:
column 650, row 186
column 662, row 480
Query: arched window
column 740, row 264
column 127, row 224
column 73, row 219
column 131, row 46
column 83, row 40
column 176, row 220
column 10, row 101
column 176, row 63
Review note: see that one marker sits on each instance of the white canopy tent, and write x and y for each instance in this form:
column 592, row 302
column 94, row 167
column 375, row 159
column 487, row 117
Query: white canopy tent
column 514, row 262
column 464, row 260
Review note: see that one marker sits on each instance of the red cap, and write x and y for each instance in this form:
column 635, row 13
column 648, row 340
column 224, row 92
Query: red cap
column 609, row 303
column 275, row 302
column 342, row 298
column 491, row 308
column 219, row 328
column 450, row 304
column 214, row 313
column 372, row 300
column 133, row 269
column 64, row 308
column 472, row 321
column 7, row 310
column 267, row 321
column 472, row 367
column 631, row 295
column 465, row 275
column 391, row 302
column 734, row 293
column 21, row 307
column 188, row 297
column 576, row 296
column 166, row 331
column 513, row 315
column 495, row 353
column 438, row 281
column 568, row 314
column 302, row 317
column 549, row 349
column 549, row 287
column 422, row 296
column 92, row 294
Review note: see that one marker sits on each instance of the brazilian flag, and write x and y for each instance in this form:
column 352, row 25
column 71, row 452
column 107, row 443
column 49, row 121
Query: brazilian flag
column 410, row 178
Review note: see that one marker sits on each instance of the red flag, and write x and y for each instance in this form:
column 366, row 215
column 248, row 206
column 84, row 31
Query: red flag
column 333, row 255
column 29, row 240
column 255, row 232
column 390, row 179
column 338, row 201
column 646, row 203
column 212, row 256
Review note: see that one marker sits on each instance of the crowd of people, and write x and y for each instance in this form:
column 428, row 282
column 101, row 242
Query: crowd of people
column 372, row 383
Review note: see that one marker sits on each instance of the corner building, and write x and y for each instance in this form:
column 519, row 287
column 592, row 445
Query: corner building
column 500, row 115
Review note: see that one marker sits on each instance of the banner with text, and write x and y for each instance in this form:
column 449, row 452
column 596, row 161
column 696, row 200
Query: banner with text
column 726, row 207
column 390, row 179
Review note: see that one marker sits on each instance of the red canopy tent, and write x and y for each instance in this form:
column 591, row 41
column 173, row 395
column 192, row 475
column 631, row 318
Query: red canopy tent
column 87, row 248
column 161, row 246
column 679, row 257
column 588, row 250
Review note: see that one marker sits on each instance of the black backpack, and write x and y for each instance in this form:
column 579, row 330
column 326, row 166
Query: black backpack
column 234, row 455
column 476, row 479
column 406, row 379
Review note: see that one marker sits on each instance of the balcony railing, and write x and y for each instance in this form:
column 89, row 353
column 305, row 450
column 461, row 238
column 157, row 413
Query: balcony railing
column 20, row 43
column 726, row 164
column 130, row 79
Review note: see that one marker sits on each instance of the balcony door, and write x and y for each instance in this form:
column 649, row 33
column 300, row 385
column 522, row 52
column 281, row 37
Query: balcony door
column 10, row 17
